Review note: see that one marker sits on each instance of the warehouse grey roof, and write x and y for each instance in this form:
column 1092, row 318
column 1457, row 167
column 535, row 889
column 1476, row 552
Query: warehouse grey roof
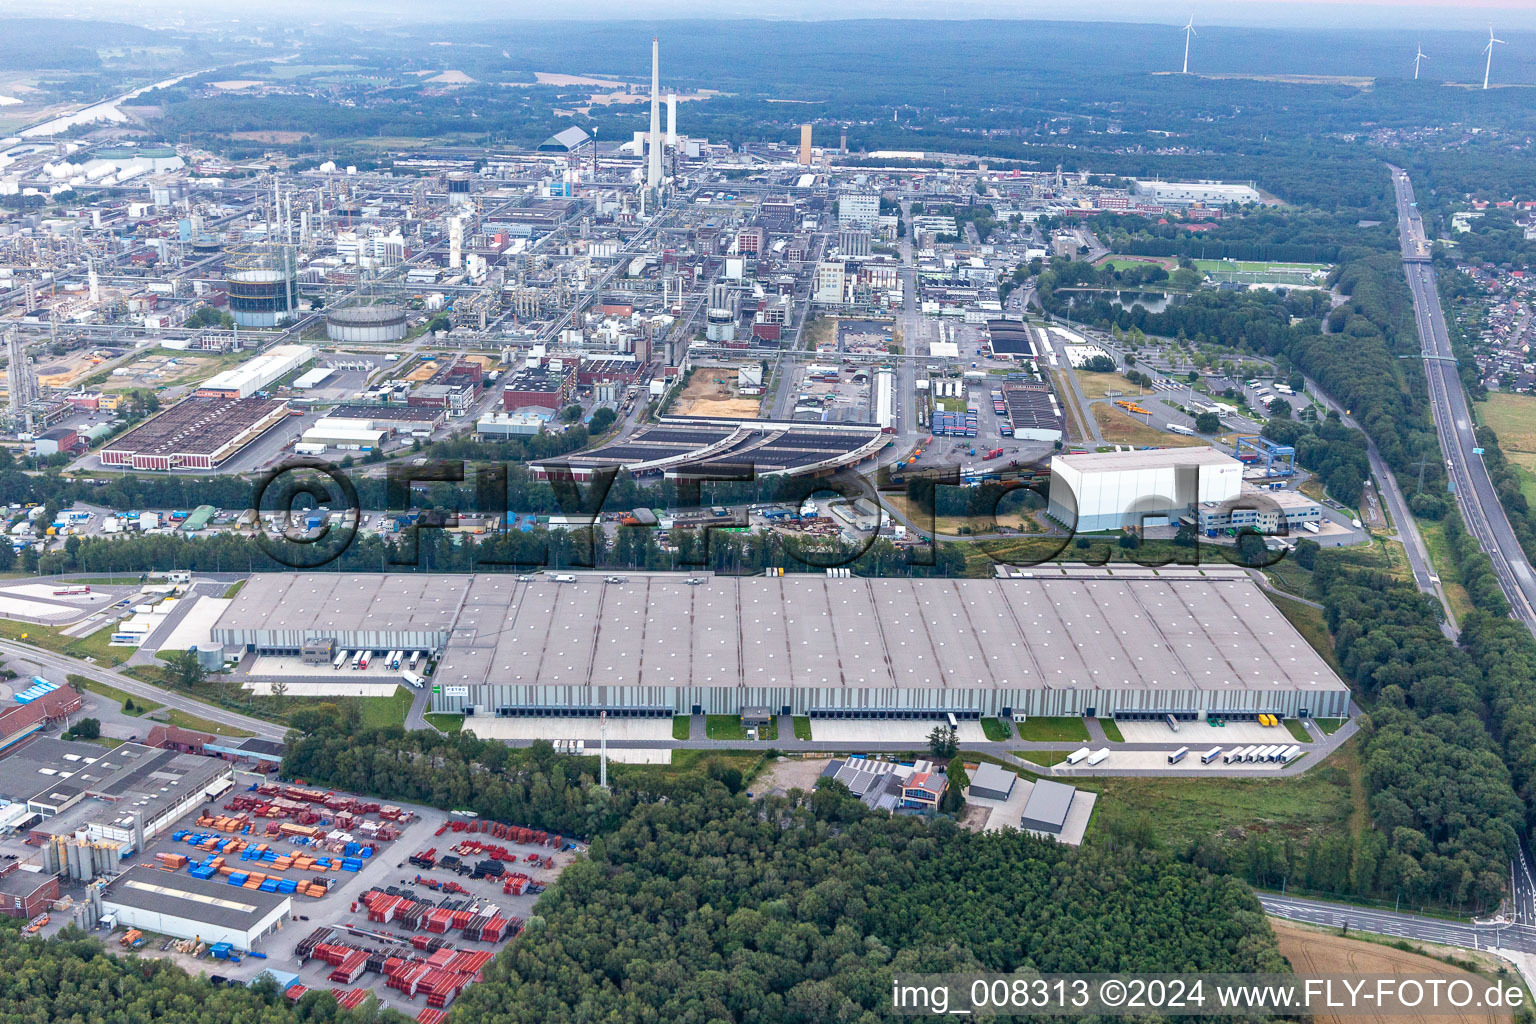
column 1156, row 458
column 1071, row 628
column 993, row 777
column 194, row 899
column 1048, row 805
column 324, row 602
column 565, row 139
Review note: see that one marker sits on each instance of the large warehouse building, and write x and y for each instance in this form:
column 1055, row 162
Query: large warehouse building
column 1110, row 490
column 258, row 374
column 183, row 907
column 195, row 433
column 1069, row 640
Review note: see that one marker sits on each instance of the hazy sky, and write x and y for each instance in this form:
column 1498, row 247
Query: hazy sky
column 1363, row 14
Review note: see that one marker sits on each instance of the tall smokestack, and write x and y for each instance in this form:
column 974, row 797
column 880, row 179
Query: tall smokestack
column 672, row 119
column 653, row 169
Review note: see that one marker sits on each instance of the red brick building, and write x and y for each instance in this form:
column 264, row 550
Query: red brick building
column 174, row 737
column 18, row 721
column 26, row 894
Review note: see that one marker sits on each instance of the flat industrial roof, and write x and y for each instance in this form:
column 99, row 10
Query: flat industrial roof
column 324, row 602
column 993, row 776
column 194, row 899
column 1075, row 627
column 1156, row 458
column 1048, row 803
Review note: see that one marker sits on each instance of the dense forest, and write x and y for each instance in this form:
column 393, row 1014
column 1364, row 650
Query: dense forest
column 72, row 979
column 800, row 908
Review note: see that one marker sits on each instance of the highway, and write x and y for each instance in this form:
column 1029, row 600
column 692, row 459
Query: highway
column 1475, row 493
column 1466, row 934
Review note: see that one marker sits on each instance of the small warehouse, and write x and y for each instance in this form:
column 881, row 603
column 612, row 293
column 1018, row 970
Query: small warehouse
column 183, row 907
column 1047, row 808
column 992, row 782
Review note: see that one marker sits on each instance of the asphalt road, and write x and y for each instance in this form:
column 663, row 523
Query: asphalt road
column 61, row 665
column 1466, row 934
column 1475, row 492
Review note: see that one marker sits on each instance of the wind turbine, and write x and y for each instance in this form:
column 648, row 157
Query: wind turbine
column 1189, row 30
column 1488, row 67
column 1418, row 56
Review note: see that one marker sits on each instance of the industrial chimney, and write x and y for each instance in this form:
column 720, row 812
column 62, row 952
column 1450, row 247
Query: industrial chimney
column 653, row 168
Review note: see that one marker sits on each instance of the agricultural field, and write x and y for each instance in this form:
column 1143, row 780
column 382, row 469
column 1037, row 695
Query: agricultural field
column 1513, row 418
column 1317, row 951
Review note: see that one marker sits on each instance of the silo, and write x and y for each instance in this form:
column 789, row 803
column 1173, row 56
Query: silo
column 210, row 656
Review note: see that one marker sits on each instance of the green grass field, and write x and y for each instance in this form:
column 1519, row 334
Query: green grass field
column 446, row 723
column 679, row 727
column 140, row 705
column 1330, row 725
column 1258, row 267
column 995, row 729
column 1298, row 731
column 189, row 721
column 724, row 727
column 1127, row 262
column 1444, row 566
column 1053, row 730
column 383, row 712
column 1044, row 758
column 94, row 647
column 802, row 727
column 1111, row 730
column 1178, row 811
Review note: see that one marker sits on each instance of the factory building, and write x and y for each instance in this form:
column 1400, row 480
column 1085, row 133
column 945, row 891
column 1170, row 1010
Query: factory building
column 1191, row 193
column 416, row 420
column 21, row 720
column 346, row 434
column 182, row 907
column 1068, row 640
column 25, row 894
column 366, row 324
column 858, row 211
column 257, row 374
column 1112, row 490
column 196, row 433
column 547, row 388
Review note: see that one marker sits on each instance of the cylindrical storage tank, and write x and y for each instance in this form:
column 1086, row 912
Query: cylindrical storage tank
column 258, row 297
column 720, row 325
column 210, row 656
column 383, row 322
